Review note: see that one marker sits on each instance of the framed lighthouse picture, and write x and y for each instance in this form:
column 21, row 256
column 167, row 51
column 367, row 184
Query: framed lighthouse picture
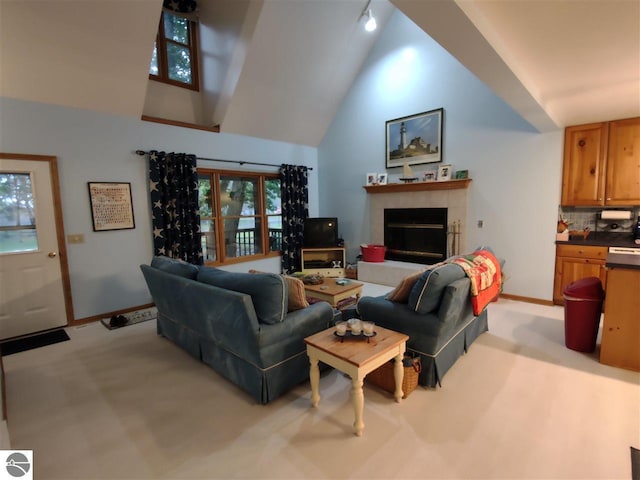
column 414, row 140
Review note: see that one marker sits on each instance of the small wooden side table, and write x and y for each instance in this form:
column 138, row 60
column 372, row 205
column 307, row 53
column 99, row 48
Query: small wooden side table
column 331, row 292
column 356, row 358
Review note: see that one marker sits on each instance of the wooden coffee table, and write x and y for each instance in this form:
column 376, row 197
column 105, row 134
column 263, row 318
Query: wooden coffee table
column 331, row 292
column 356, row 358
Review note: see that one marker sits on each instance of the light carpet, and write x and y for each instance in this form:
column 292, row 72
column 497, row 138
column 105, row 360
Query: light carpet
column 127, row 404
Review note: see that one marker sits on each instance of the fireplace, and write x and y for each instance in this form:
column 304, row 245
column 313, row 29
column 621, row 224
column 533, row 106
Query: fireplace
column 417, row 235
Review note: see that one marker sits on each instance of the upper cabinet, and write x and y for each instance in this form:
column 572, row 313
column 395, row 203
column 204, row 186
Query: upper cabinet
column 623, row 163
column 602, row 164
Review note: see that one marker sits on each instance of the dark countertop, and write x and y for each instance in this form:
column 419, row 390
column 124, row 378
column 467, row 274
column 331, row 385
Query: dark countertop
column 603, row 239
column 618, row 260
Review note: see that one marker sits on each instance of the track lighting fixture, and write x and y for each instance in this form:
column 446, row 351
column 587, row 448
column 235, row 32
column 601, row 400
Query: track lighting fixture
column 370, row 24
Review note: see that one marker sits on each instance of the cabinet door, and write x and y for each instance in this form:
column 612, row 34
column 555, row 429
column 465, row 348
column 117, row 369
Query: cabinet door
column 623, row 163
column 569, row 269
column 583, row 177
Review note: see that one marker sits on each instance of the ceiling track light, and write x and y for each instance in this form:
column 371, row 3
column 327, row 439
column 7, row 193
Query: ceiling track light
column 370, row 24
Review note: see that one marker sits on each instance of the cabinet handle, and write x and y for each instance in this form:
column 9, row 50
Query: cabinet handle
column 592, row 171
column 582, row 143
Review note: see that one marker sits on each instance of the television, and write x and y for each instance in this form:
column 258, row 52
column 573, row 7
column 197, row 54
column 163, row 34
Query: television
column 321, row 232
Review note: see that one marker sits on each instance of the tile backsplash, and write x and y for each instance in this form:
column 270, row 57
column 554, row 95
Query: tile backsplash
column 580, row 218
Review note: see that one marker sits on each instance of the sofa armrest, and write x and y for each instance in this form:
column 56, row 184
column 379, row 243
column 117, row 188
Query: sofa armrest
column 455, row 301
column 285, row 339
column 223, row 316
column 299, row 323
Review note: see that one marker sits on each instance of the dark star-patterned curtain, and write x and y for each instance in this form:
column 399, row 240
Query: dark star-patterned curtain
column 295, row 210
column 173, row 185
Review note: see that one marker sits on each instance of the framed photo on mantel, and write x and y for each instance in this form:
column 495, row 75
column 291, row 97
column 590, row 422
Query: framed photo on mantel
column 415, row 140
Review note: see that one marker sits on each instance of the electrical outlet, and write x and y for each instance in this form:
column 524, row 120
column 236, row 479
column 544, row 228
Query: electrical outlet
column 480, row 223
column 75, row 238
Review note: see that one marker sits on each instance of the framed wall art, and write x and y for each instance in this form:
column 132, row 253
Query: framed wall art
column 111, row 206
column 416, row 139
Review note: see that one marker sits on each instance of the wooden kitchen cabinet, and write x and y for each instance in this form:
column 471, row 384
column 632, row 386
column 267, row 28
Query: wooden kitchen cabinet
column 602, row 164
column 623, row 163
column 621, row 327
column 574, row 262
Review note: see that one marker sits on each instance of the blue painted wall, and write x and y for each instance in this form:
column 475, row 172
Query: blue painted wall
column 95, row 147
column 516, row 171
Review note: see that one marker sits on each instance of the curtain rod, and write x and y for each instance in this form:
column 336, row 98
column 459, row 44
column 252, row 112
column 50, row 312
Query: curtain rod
column 241, row 162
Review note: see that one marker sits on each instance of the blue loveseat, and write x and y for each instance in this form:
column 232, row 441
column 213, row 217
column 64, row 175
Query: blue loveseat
column 436, row 312
column 237, row 323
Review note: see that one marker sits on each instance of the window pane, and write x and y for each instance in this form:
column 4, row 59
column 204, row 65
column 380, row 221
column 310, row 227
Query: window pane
column 179, row 63
column 242, row 237
column 153, row 68
column 17, row 214
column 204, row 196
column 176, row 28
column 275, row 232
column 272, row 187
column 207, row 228
column 237, row 196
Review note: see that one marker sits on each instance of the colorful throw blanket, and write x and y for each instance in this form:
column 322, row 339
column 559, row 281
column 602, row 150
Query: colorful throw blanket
column 483, row 270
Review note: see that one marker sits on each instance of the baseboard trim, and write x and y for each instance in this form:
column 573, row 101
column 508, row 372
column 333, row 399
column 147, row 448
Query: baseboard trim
column 519, row 298
column 97, row 318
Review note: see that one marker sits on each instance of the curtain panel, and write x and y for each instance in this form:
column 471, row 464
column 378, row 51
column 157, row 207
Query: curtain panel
column 173, row 188
column 295, row 210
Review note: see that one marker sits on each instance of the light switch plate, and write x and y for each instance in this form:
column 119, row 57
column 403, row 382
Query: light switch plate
column 75, row 238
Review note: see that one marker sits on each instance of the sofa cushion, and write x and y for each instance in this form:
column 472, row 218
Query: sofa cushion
column 426, row 293
column 268, row 291
column 400, row 294
column 175, row 266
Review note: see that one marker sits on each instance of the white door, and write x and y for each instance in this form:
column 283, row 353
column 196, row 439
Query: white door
column 31, row 289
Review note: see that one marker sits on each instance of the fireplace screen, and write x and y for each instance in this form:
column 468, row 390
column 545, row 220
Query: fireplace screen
column 417, row 235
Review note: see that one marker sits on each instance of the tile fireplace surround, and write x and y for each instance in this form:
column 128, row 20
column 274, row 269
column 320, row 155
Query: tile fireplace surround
column 454, row 200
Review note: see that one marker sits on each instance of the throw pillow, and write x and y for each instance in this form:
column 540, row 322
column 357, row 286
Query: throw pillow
column 400, row 294
column 175, row 266
column 426, row 293
column 297, row 294
column 268, row 291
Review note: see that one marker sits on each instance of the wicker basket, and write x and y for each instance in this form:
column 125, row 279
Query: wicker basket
column 383, row 376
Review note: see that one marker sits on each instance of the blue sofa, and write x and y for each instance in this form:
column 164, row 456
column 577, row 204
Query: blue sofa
column 437, row 316
column 237, row 323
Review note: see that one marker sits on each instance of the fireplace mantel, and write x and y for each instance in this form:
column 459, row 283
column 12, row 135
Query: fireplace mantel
column 418, row 186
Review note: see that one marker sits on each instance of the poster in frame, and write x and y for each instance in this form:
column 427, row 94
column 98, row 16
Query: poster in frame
column 111, row 206
column 415, row 139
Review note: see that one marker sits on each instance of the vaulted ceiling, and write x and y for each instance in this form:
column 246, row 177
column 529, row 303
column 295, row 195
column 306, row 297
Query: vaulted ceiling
column 289, row 63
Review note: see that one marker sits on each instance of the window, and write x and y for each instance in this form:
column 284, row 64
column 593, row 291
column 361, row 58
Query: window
column 17, row 214
column 175, row 59
column 240, row 215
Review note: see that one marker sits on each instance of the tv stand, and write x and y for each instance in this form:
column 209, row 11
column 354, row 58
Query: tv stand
column 323, row 261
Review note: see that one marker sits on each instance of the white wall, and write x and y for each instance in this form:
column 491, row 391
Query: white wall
column 516, row 171
column 94, row 147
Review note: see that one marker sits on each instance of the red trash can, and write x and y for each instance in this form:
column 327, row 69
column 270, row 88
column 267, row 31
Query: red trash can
column 582, row 308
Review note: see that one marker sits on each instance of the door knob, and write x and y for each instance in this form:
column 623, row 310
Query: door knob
column 52, row 254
